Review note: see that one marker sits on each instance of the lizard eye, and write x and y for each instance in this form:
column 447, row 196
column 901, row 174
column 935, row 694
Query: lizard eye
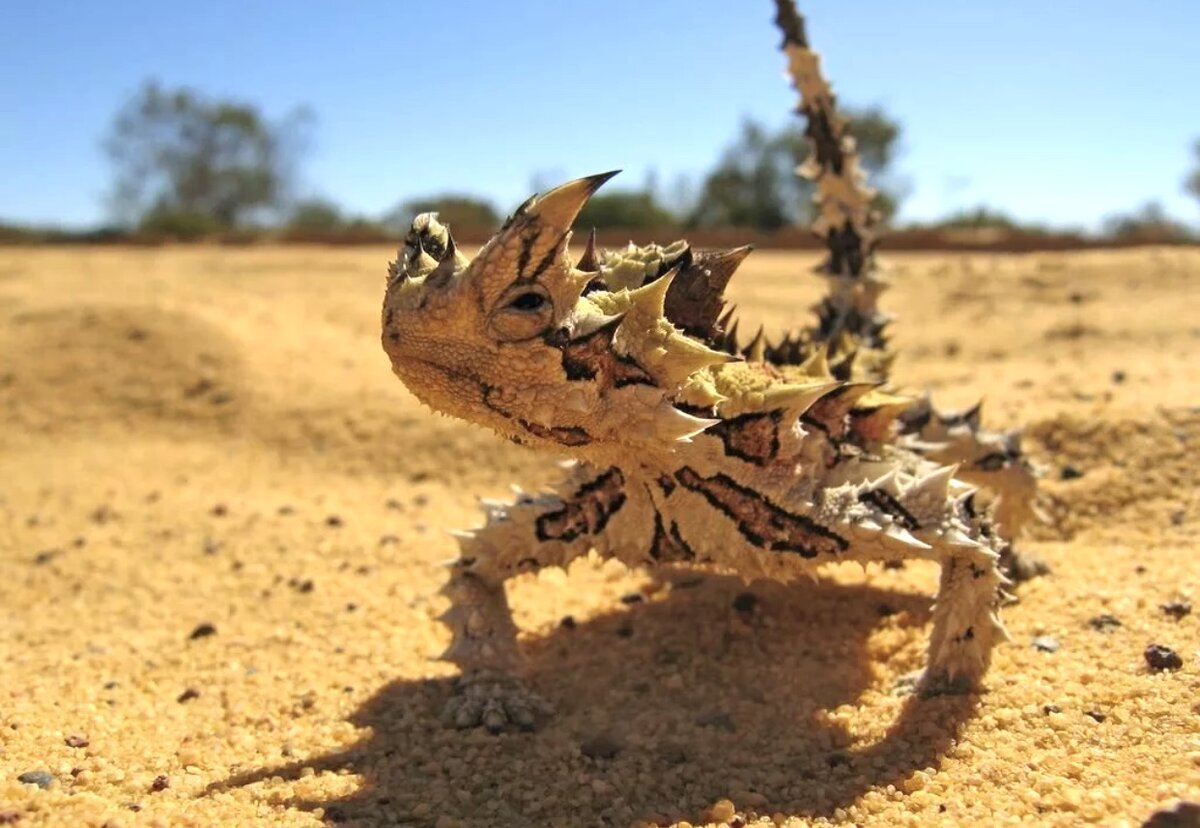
column 524, row 312
column 530, row 301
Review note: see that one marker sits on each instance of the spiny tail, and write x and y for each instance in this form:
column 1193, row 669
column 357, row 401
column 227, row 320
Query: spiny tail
column 850, row 325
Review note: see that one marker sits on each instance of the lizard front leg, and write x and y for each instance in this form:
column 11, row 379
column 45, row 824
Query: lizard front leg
column 526, row 535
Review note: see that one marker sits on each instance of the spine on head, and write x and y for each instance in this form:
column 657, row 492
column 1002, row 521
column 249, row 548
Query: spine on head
column 849, row 318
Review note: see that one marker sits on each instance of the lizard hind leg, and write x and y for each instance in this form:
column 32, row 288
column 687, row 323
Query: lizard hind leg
column 929, row 516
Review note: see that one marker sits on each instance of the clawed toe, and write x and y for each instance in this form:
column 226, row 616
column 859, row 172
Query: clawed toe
column 495, row 705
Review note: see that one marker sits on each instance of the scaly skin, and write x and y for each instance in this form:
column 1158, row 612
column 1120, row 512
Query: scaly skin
column 685, row 448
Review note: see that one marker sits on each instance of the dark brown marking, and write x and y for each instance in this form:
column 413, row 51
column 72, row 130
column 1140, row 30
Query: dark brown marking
column 889, row 505
column 547, row 260
column 528, row 240
column 761, row 522
column 587, row 512
column 667, row 545
column 666, row 484
column 750, row 437
column 592, row 358
column 564, row 435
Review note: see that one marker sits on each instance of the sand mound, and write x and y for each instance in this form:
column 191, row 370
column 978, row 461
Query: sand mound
column 220, row 524
column 89, row 364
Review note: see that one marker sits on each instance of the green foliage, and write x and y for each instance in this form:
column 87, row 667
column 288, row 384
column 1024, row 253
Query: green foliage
column 181, row 159
column 1192, row 184
column 460, row 212
column 179, row 225
column 624, row 209
column 1149, row 224
column 755, row 185
column 316, row 215
column 979, row 218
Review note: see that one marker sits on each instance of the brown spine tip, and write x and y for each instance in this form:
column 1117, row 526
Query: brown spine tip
column 589, row 263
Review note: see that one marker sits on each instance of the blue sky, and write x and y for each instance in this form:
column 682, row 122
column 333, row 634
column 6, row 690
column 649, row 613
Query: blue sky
column 1058, row 110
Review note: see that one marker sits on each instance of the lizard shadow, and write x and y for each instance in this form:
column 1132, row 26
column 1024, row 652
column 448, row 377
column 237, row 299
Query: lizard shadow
column 663, row 708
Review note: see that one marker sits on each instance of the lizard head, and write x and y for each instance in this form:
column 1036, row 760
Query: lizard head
column 541, row 348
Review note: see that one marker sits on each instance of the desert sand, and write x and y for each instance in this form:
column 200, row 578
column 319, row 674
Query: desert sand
column 221, row 519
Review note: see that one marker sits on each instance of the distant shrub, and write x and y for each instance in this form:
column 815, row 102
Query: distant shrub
column 316, row 215
column 1149, row 224
column 625, row 209
column 179, row 225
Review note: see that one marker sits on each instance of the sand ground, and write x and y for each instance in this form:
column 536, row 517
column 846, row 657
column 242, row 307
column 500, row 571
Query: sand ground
column 220, row 518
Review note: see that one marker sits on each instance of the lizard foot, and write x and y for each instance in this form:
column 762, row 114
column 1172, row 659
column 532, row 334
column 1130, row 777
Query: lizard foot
column 494, row 703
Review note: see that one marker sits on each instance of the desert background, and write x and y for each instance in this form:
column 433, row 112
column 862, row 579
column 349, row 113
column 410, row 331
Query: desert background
column 223, row 517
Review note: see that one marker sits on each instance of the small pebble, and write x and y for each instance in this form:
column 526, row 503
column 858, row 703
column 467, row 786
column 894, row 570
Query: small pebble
column 46, row 556
column 43, row 779
column 1176, row 609
column 1182, row 815
column 1070, row 472
column 220, row 510
column 745, row 602
column 602, row 746
column 1047, row 644
column 1096, row 715
column 1025, row 566
column 1104, row 623
column 160, row 783
column 1161, row 657
column 568, row 622
column 76, row 741
column 722, row 811
column 334, row 521
column 1051, row 708
column 202, row 631
column 721, row 721
column 1118, row 377
column 632, row 598
column 187, row 695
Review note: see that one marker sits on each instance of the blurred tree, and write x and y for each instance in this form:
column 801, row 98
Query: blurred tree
column 461, row 212
column 183, row 160
column 316, row 215
column 755, row 185
column 981, row 217
column 1192, row 183
column 625, row 208
column 1149, row 223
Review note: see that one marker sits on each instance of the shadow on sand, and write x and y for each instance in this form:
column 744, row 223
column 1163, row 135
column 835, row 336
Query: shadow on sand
column 663, row 708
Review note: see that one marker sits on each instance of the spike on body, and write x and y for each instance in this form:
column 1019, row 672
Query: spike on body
column 767, row 459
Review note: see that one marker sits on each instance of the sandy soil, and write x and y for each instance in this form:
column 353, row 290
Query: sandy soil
column 220, row 519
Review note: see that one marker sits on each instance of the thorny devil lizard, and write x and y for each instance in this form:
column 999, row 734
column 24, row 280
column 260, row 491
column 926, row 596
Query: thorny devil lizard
column 766, row 460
